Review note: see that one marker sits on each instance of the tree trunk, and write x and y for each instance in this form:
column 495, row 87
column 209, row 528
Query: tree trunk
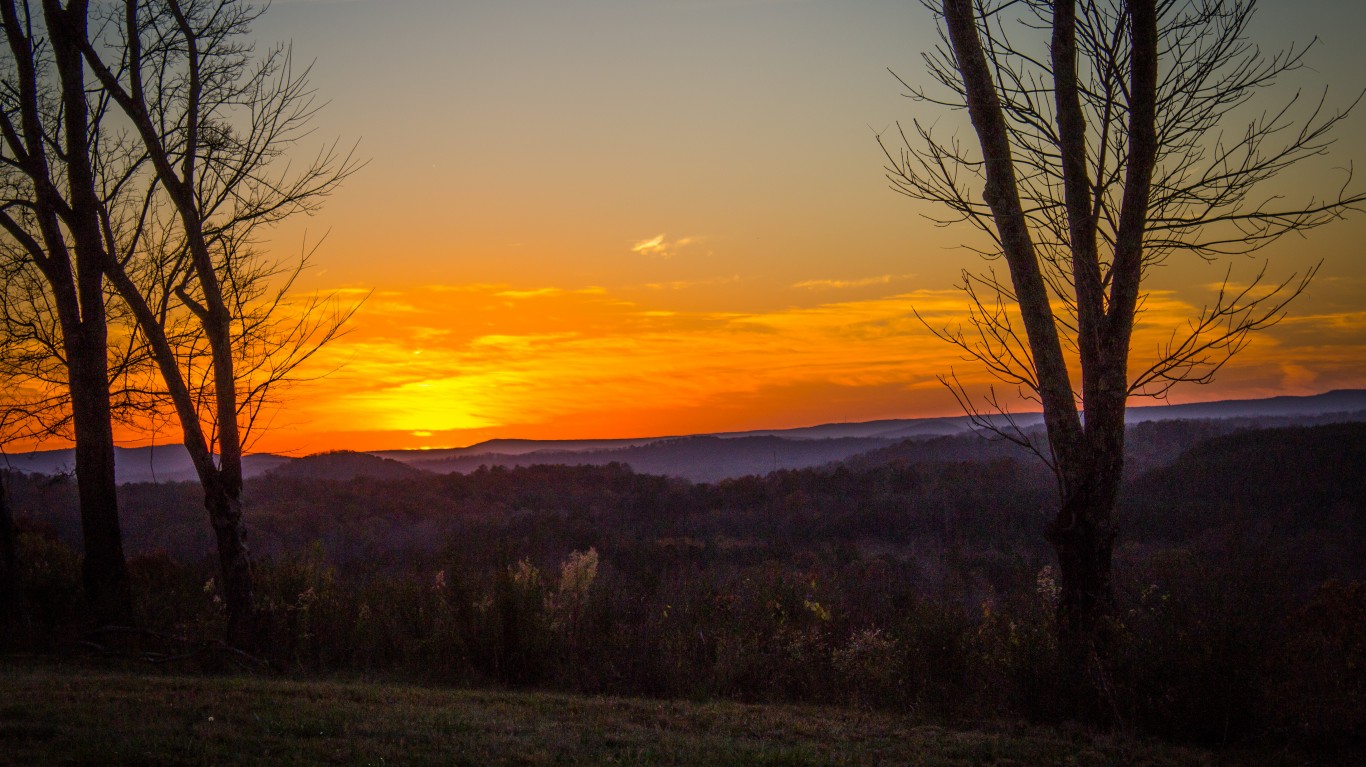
column 76, row 285
column 222, row 485
column 1084, row 611
column 14, row 618
column 225, row 513
column 104, row 572
column 1083, row 536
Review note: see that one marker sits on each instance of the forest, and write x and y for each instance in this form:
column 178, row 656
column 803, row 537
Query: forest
column 914, row 585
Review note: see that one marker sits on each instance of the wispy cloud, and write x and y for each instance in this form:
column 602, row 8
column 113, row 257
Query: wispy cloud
column 502, row 292
column 882, row 279
column 537, row 292
column 660, row 246
column 501, row 360
column 687, row 284
column 589, row 352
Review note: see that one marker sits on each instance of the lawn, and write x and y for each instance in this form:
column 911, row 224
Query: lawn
column 63, row 715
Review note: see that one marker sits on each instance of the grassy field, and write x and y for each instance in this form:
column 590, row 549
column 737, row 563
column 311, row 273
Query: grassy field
column 59, row 715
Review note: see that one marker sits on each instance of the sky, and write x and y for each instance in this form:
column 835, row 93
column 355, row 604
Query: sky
column 618, row 218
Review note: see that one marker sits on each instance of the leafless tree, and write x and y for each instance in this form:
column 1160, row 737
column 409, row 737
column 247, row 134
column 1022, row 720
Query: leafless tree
column 1105, row 145
column 216, row 122
column 54, row 302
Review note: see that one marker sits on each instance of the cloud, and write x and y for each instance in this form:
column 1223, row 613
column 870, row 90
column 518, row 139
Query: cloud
column 660, row 246
column 587, row 351
column 882, row 279
column 502, row 292
column 687, row 284
column 536, row 293
column 463, row 363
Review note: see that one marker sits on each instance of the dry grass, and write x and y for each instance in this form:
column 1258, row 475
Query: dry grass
column 60, row 715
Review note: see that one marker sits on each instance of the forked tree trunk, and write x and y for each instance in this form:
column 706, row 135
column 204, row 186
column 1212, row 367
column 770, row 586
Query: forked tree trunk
column 1087, row 446
column 1083, row 536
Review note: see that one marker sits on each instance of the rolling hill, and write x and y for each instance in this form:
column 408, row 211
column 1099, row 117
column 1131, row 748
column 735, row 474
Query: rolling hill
column 1154, row 441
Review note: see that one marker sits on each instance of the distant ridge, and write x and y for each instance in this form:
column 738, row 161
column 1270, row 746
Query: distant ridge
column 1336, row 401
column 160, row 463
column 702, row 457
column 513, row 447
column 345, row 464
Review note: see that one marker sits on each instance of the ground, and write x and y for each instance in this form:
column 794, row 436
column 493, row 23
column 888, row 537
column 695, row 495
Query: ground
column 64, row 714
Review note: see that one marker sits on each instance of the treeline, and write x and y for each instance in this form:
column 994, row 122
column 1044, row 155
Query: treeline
column 922, row 587
column 544, row 511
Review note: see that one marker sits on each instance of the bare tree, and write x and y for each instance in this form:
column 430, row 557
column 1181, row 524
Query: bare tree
column 53, row 253
column 215, row 122
column 1101, row 151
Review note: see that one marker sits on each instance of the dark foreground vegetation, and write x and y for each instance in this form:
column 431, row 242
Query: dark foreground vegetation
column 918, row 589
column 101, row 717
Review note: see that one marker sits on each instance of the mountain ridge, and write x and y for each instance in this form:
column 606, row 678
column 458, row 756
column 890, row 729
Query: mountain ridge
column 697, row 457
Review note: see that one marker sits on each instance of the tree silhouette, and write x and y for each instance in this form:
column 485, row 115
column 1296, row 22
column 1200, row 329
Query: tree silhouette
column 216, row 123
column 57, row 184
column 1100, row 153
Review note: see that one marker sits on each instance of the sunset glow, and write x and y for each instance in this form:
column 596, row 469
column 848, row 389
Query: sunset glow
column 617, row 219
column 438, row 366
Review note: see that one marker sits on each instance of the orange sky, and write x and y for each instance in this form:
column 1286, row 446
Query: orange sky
column 433, row 365
column 617, row 218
